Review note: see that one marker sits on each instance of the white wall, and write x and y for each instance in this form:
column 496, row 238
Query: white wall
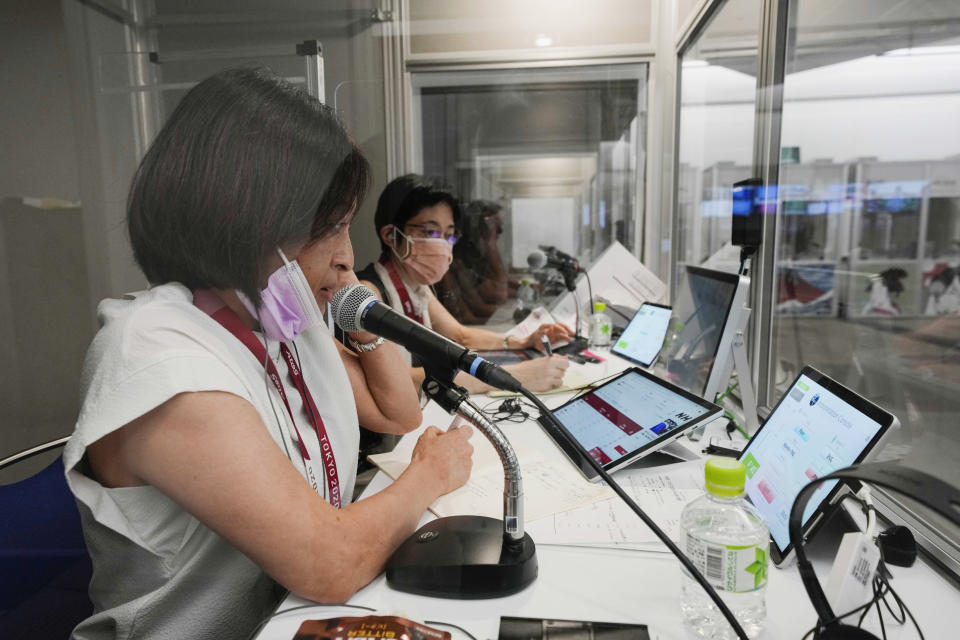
column 39, row 151
column 39, row 158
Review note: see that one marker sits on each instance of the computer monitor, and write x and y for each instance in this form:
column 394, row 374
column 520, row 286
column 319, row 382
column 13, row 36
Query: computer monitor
column 709, row 309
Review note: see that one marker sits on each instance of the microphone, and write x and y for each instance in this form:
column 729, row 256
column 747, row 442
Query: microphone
column 565, row 264
column 356, row 308
column 553, row 259
column 550, row 250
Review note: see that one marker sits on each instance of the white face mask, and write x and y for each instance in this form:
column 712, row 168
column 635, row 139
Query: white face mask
column 287, row 305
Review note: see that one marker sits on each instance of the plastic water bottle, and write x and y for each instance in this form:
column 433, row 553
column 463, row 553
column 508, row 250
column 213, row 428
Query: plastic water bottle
column 727, row 539
column 600, row 326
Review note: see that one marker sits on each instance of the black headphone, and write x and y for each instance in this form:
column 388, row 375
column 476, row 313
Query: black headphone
column 922, row 487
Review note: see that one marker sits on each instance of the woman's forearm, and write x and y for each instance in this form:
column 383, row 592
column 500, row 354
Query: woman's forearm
column 391, row 403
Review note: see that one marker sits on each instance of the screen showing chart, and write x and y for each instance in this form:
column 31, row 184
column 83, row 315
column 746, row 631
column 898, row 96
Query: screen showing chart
column 625, row 415
column 643, row 337
column 811, row 433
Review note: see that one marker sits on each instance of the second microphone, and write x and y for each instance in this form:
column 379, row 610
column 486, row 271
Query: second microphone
column 356, row 308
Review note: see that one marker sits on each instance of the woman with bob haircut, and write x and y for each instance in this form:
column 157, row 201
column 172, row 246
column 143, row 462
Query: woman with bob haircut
column 416, row 221
column 215, row 453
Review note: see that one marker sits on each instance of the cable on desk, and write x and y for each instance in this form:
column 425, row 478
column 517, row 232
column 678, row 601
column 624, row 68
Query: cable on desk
column 881, row 589
column 450, row 624
column 273, row 615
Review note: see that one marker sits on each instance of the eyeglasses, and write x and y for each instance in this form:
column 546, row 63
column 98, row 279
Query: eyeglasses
column 430, row 230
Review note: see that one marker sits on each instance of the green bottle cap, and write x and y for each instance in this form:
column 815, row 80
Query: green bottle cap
column 725, row 477
column 599, row 307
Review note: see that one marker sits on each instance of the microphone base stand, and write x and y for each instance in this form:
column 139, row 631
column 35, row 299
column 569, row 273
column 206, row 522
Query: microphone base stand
column 468, row 557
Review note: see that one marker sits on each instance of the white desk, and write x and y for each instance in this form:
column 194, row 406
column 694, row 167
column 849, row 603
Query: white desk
column 581, row 583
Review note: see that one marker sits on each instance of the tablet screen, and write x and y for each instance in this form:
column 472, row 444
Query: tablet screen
column 629, row 416
column 643, row 337
column 818, row 427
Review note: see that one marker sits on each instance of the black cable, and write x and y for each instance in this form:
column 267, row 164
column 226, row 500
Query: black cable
column 882, row 579
column 818, row 626
column 684, row 560
column 589, row 289
column 274, row 614
column 450, row 624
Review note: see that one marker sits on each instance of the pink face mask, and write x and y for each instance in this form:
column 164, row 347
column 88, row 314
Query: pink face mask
column 287, row 306
column 427, row 259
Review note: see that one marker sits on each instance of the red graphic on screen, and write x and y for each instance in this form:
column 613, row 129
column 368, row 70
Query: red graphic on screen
column 597, row 454
column 620, row 450
column 811, row 474
column 605, row 409
column 767, row 492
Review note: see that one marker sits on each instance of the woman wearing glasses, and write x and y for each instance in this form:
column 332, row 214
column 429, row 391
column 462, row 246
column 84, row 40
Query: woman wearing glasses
column 416, row 222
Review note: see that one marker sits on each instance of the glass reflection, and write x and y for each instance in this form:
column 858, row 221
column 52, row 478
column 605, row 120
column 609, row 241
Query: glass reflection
column 868, row 287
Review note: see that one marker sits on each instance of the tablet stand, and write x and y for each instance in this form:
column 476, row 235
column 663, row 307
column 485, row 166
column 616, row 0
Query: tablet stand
column 738, row 353
column 744, row 378
column 468, row 557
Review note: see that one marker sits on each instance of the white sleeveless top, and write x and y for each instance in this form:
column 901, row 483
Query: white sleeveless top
column 158, row 572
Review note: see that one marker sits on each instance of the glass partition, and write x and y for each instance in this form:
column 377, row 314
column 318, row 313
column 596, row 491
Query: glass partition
column 715, row 134
column 558, row 152
column 868, row 231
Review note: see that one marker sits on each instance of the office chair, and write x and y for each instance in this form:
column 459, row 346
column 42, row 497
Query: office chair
column 43, row 559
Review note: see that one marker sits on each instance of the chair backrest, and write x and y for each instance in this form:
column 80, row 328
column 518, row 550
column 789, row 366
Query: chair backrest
column 43, row 559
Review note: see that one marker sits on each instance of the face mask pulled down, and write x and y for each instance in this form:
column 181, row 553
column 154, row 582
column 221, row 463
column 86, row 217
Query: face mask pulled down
column 427, row 259
column 287, row 305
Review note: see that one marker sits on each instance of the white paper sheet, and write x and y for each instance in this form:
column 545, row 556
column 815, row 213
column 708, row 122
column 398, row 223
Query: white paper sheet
column 548, row 488
column 617, row 276
column 661, row 492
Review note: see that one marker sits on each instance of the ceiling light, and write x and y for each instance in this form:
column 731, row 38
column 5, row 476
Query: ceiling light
column 543, row 40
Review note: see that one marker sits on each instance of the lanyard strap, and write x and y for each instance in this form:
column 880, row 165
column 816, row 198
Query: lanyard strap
column 405, row 300
column 224, row 315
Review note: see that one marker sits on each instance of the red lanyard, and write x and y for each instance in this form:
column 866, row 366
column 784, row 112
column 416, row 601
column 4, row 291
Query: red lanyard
column 214, row 307
column 401, row 290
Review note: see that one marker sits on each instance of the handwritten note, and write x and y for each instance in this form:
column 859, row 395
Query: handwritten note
column 661, row 492
column 548, row 488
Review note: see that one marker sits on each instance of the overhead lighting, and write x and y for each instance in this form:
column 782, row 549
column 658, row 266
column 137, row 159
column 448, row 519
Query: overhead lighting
column 925, row 51
column 543, row 40
column 690, row 64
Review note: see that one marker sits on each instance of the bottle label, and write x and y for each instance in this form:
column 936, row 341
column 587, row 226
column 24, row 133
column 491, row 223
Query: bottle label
column 728, row 567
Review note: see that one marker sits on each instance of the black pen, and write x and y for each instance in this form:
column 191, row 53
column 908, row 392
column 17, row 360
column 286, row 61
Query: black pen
column 546, row 346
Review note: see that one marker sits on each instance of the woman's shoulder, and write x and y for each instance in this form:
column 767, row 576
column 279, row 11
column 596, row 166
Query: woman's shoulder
column 151, row 346
column 145, row 327
column 164, row 311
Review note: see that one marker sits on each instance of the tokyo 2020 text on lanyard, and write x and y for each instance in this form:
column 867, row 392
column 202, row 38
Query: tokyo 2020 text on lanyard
column 229, row 320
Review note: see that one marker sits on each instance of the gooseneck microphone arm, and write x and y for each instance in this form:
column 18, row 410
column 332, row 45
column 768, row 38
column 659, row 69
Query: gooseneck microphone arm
column 355, row 307
column 439, row 387
column 674, row 549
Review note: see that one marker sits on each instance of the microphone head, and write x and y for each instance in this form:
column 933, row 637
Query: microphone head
column 537, row 260
column 348, row 305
